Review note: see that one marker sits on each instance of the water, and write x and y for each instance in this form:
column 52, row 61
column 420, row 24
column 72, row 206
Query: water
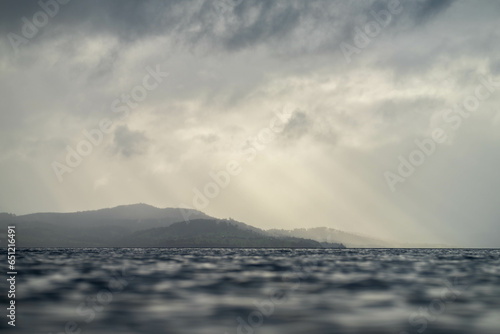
column 256, row 291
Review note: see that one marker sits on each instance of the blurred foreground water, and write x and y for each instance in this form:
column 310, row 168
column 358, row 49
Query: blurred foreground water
column 104, row 291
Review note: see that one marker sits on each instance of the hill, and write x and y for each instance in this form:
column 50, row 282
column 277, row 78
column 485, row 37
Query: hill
column 328, row 235
column 141, row 225
column 212, row 233
column 325, row 234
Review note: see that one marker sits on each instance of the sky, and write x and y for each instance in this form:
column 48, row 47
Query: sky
column 374, row 117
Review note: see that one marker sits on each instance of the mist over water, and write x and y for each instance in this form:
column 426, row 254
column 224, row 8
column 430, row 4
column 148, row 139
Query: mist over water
column 150, row 290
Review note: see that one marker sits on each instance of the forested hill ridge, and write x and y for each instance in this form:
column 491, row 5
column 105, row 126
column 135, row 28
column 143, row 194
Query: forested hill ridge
column 141, row 225
column 211, row 233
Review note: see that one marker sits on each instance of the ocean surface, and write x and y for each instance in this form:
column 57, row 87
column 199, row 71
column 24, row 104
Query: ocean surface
column 255, row 291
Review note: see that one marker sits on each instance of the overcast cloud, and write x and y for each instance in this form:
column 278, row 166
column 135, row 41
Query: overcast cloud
column 232, row 66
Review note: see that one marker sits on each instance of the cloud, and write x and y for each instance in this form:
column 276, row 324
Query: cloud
column 428, row 9
column 128, row 143
column 101, row 182
column 208, row 138
column 285, row 27
column 232, row 66
column 297, row 126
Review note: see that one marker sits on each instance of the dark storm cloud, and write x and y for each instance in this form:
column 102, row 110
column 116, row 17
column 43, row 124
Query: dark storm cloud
column 283, row 26
column 128, row 19
column 297, row 126
column 426, row 10
column 129, row 143
column 13, row 11
column 272, row 22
